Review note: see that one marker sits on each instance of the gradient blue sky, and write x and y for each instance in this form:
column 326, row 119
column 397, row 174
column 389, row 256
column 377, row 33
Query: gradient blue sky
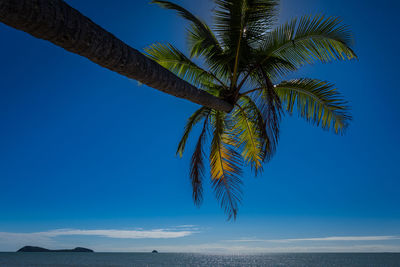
column 87, row 157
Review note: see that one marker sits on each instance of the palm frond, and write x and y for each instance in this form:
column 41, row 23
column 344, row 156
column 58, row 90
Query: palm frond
column 201, row 39
column 171, row 58
column 316, row 101
column 240, row 24
column 259, row 17
column 268, row 143
column 249, row 128
column 197, row 166
column 225, row 165
column 250, row 19
column 310, row 39
column 210, row 50
column 230, row 28
column 269, row 104
column 276, row 67
column 193, row 120
column 228, row 17
column 180, row 10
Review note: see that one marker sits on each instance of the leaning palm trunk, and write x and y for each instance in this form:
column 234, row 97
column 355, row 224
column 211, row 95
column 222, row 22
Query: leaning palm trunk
column 57, row 22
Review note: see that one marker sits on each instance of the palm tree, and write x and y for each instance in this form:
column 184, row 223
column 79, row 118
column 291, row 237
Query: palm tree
column 245, row 61
column 64, row 26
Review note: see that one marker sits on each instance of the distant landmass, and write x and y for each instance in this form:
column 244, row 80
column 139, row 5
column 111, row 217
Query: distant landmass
column 154, row 251
column 39, row 249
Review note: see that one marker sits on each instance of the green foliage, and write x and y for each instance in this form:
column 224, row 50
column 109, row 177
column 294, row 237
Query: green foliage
column 241, row 63
column 225, row 164
column 193, row 120
column 317, row 101
column 201, row 40
column 309, row 39
column 248, row 19
column 174, row 60
column 197, row 166
column 250, row 131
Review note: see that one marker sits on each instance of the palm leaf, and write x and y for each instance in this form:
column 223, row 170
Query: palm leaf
column 202, row 41
column 316, row 38
column 316, row 101
column 269, row 104
column 229, row 24
column 269, row 145
column 230, row 28
column 276, row 67
column 250, row 19
column 250, row 131
column 259, row 17
column 197, row 166
column 193, row 120
column 201, row 38
column 171, row 58
column 180, row 10
column 240, row 24
column 225, row 165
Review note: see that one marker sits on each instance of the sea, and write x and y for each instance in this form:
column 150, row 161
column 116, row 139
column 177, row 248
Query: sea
column 38, row 259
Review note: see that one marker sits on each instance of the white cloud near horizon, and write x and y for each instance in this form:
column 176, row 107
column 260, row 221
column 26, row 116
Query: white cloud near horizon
column 186, row 226
column 162, row 240
column 11, row 241
column 329, row 238
column 131, row 234
column 110, row 233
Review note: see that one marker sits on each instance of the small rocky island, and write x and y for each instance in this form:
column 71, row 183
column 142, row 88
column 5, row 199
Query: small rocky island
column 154, row 251
column 39, row 249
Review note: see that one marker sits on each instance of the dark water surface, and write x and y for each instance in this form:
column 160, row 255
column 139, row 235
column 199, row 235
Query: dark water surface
column 38, row 259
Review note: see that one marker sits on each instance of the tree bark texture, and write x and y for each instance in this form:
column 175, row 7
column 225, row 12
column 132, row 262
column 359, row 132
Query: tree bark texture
column 64, row 26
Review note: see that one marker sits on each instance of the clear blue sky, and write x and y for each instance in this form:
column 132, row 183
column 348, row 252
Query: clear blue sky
column 86, row 149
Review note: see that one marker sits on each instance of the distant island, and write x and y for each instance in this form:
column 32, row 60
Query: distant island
column 154, row 251
column 39, row 249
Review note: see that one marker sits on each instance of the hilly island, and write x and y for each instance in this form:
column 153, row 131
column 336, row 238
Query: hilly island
column 39, row 249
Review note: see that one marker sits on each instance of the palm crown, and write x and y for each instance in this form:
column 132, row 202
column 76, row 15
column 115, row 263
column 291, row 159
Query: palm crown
column 245, row 63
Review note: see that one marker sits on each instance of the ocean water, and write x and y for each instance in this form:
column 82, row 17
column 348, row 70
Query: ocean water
column 39, row 259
